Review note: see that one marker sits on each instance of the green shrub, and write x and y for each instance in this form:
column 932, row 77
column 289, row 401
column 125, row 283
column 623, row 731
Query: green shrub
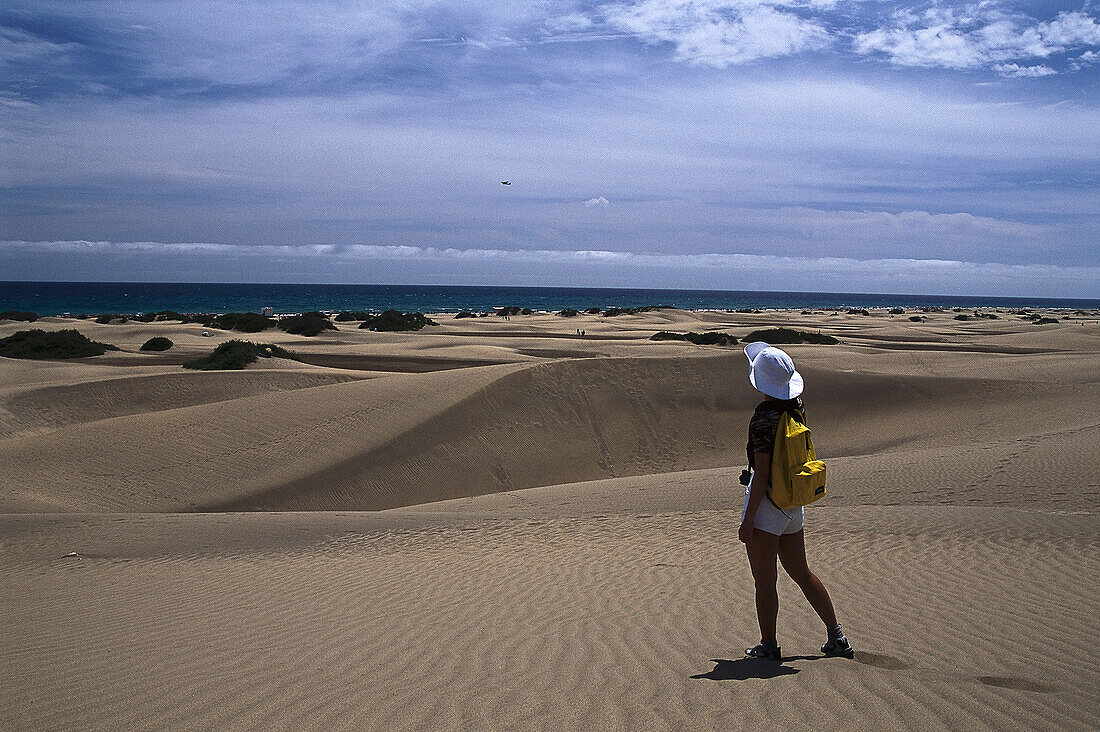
column 19, row 315
column 776, row 336
column 592, row 311
column 349, row 315
column 858, row 311
column 145, row 317
column 612, row 312
column 897, row 311
column 962, row 316
column 170, row 315
column 43, row 344
column 392, row 320
column 109, row 317
column 235, row 355
column 309, row 324
column 243, row 322
column 465, row 314
column 710, row 338
column 569, row 313
column 157, row 343
column 1044, row 321
column 916, row 318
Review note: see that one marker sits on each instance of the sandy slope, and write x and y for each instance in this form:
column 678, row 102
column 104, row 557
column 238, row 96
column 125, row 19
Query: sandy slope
column 959, row 538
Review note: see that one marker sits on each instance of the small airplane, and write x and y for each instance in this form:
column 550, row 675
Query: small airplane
column 506, row 182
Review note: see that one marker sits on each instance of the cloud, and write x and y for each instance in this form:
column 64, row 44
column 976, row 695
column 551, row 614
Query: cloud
column 1023, row 71
column 974, row 36
column 716, row 33
column 599, row 202
column 714, row 270
column 18, row 45
column 1086, row 59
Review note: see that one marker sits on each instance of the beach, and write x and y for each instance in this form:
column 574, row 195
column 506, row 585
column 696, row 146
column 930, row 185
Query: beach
column 505, row 524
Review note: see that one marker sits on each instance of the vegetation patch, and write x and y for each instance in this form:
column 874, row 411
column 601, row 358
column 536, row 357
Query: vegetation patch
column 110, row 318
column 19, row 315
column 465, row 314
column 1044, row 321
column 962, row 316
column 169, row 315
column 612, row 312
column 916, row 318
column 569, row 313
column 393, row 320
column 775, row 336
column 244, row 322
column 235, row 355
column 157, row 343
column 350, row 315
column 307, row 324
column 43, row 344
column 859, row 311
column 897, row 311
column 710, row 338
column 511, row 310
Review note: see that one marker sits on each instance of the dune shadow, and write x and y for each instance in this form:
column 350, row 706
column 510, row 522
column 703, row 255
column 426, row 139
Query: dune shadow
column 745, row 668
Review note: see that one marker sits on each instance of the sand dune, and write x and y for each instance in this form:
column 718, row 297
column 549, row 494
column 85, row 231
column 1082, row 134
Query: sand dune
column 559, row 549
column 542, row 615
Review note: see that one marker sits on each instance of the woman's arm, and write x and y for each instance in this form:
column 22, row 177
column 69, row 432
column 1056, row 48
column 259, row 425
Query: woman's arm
column 761, row 474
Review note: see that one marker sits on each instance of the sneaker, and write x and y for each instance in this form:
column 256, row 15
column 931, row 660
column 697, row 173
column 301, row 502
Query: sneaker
column 765, row 651
column 838, row 647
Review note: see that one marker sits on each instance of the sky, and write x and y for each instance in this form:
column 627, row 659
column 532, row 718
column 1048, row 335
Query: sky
column 814, row 145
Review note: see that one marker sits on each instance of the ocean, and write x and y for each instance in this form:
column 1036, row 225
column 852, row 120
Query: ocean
column 58, row 298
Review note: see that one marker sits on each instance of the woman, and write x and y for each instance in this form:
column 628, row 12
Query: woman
column 767, row 530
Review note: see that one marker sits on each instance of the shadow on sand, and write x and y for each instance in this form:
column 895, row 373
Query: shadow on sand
column 751, row 668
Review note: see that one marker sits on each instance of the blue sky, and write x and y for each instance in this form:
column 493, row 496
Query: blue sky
column 841, row 145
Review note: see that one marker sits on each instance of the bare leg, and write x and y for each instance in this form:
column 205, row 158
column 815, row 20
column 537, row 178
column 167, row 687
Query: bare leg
column 762, row 550
column 792, row 553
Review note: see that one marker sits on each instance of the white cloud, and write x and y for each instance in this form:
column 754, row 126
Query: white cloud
column 615, row 268
column 717, row 33
column 20, row 45
column 1023, row 71
column 599, row 202
column 974, row 36
column 1088, row 58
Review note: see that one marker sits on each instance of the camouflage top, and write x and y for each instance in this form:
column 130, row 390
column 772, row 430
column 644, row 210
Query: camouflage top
column 765, row 422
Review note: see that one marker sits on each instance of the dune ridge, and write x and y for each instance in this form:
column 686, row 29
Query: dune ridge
column 561, row 550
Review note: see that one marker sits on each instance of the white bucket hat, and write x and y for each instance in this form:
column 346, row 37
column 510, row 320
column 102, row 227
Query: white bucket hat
column 773, row 371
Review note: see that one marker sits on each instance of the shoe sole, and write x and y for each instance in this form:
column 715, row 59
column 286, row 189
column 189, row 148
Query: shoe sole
column 843, row 654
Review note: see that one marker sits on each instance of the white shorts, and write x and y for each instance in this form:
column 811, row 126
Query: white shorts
column 773, row 519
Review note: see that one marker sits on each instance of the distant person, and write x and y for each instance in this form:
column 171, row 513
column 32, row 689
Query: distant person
column 766, row 530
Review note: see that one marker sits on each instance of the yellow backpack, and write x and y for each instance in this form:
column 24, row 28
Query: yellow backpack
column 798, row 477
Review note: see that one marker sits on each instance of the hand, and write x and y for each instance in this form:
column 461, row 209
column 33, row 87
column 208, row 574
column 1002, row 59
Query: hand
column 745, row 532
